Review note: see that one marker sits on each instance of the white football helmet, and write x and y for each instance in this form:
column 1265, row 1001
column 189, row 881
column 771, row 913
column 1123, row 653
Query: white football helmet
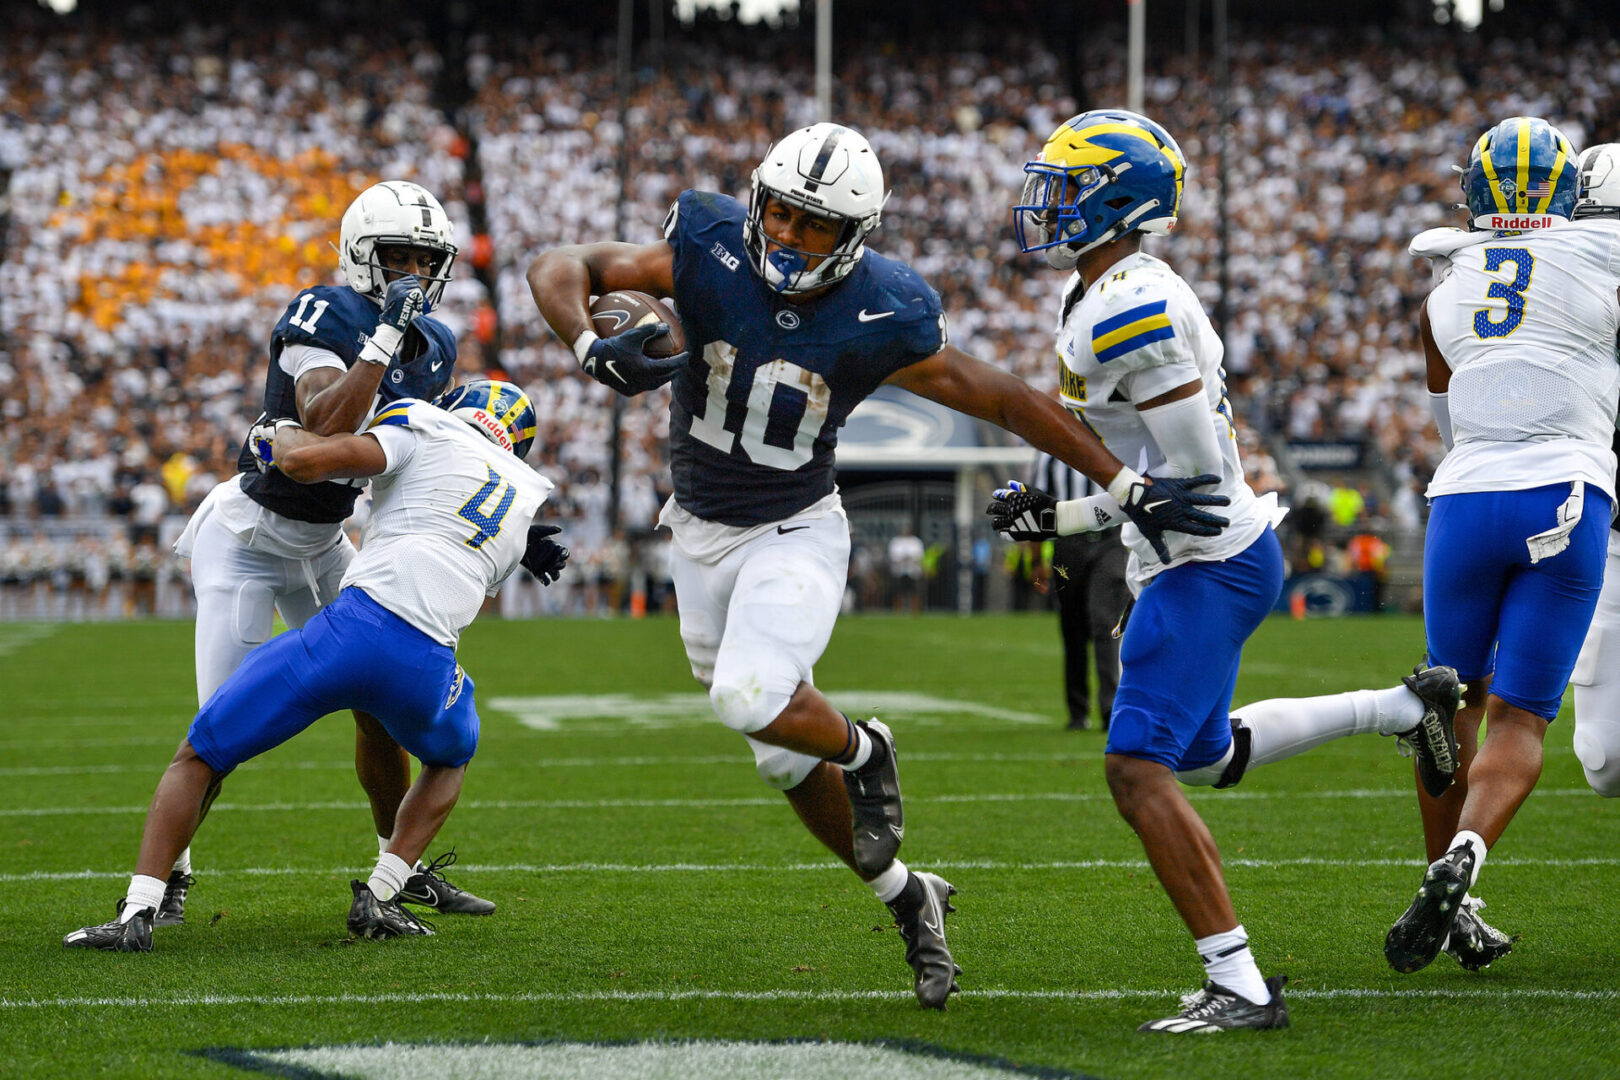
column 394, row 212
column 1599, row 192
column 828, row 170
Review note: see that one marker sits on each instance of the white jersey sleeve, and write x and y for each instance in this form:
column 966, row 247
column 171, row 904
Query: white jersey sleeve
column 1139, row 332
column 299, row 360
column 449, row 520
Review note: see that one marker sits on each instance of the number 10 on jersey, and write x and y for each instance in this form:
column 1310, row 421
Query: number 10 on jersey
column 710, row 428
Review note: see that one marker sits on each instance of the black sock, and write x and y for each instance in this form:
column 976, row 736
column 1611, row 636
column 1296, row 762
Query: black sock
column 911, row 897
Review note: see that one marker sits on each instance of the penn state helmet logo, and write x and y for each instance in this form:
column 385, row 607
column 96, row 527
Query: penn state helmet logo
column 787, row 320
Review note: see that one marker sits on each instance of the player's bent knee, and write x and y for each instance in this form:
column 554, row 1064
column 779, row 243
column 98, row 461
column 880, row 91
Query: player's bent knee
column 744, row 707
column 1600, row 763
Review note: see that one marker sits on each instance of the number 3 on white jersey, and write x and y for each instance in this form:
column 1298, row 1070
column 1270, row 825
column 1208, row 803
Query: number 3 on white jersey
column 1524, row 264
column 710, row 428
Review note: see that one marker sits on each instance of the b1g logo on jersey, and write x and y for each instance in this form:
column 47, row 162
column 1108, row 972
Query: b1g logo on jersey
column 727, row 259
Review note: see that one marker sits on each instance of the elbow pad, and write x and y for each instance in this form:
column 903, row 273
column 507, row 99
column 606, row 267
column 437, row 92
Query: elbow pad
column 1186, row 436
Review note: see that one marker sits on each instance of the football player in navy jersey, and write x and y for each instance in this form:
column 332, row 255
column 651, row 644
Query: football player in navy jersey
column 260, row 542
column 791, row 321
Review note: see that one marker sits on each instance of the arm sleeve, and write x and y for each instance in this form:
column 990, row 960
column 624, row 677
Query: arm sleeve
column 393, row 429
column 1185, row 434
column 1440, row 405
column 297, row 360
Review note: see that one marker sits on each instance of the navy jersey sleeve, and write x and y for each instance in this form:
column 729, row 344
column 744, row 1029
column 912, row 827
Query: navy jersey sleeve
column 704, row 228
column 917, row 329
column 425, row 364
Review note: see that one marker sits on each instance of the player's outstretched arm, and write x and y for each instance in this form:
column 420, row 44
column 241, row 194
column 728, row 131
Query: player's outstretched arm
column 961, row 382
column 310, row 458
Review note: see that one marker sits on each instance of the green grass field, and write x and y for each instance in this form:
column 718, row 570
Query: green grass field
column 651, row 889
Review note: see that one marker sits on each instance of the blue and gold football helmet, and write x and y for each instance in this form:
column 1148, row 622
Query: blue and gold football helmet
column 1521, row 175
column 501, row 410
column 1101, row 175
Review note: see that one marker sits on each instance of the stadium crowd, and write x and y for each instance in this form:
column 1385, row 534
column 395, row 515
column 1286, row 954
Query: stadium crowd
column 170, row 193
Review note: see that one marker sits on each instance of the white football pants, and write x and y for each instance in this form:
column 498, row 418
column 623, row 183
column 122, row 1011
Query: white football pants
column 240, row 588
column 756, row 621
column 1596, row 679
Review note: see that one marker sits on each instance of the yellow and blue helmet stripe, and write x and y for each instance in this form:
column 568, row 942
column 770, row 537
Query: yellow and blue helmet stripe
column 1102, row 174
column 486, row 402
column 1522, row 166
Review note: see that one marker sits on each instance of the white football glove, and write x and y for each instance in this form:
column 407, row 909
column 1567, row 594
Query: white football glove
column 1544, row 545
column 261, row 439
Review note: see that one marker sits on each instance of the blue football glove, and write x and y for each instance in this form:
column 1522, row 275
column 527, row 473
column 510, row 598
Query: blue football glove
column 545, row 558
column 620, row 363
column 1160, row 504
column 1022, row 513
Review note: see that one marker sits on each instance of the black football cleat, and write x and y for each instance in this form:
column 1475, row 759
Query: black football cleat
column 1475, row 943
column 1215, row 1008
column 921, row 919
column 1434, row 740
column 429, row 888
column 874, row 801
column 172, row 912
column 370, row 917
column 132, row 936
column 1415, row 938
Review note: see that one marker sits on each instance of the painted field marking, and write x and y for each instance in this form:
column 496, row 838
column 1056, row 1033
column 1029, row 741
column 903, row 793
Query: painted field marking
column 642, row 996
column 547, row 712
column 946, row 865
column 744, row 801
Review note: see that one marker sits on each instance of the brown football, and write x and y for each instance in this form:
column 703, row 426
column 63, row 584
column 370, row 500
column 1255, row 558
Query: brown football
column 616, row 312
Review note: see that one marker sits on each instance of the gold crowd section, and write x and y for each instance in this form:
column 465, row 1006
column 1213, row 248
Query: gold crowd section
column 247, row 258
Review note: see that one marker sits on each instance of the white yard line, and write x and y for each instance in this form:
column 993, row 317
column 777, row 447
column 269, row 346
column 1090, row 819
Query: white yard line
column 948, row 866
column 707, row 804
column 631, row 997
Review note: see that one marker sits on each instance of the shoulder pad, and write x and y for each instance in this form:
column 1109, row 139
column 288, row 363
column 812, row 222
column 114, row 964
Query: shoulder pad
column 1444, row 242
column 394, row 414
column 331, row 317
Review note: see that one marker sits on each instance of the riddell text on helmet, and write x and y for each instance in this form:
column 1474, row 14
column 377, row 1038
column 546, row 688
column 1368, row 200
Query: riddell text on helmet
column 1522, row 222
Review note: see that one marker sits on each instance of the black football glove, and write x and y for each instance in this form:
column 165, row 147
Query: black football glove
column 1022, row 513
column 620, row 363
column 403, row 301
column 1169, row 504
column 545, row 558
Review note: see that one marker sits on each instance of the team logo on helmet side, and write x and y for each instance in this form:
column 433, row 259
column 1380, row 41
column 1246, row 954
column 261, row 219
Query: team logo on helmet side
column 501, row 411
column 1100, row 175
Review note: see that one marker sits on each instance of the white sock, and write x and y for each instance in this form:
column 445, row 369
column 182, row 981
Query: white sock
column 182, row 865
column 892, row 882
column 382, row 844
column 1282, row 727
column 144, row 892
column 1228, row 961
column 1474, row 842
column 863, row 749
column 389, row 877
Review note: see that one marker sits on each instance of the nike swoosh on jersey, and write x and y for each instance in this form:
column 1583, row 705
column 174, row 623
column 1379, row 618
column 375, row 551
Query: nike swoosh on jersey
column 784, row 530
column 864, row 316
column 437, row 364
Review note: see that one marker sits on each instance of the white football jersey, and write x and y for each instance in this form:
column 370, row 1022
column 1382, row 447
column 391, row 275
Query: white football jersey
column 1527, row 324
column 1137, row 333
column 449, row 523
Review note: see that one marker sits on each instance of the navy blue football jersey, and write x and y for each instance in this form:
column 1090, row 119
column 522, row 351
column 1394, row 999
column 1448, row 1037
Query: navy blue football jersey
column 340, row 320
column 755, row 415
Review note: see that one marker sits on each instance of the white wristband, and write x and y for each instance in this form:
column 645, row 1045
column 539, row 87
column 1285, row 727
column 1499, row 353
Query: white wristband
column 1120, row 486
column 382, row 345
column 1094, row 513
column 582, row 345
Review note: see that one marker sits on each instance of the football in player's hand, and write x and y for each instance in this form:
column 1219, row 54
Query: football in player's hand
column 614, row 313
